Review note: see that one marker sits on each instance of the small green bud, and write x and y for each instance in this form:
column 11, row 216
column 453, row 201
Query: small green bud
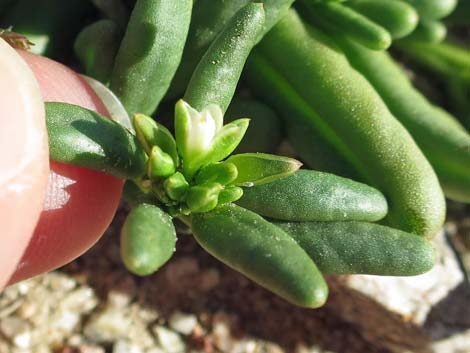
column 150, row 133
column 145, row 130
column 159, row 164
column 230, row 194
column 176, row 186
column 222, row 172
column 261, row 168
column 203, row 198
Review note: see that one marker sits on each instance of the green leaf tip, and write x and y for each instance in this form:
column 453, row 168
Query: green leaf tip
column 261, row 168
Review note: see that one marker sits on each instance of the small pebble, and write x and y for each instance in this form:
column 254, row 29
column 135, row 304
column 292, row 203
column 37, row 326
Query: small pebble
column 107, row 326
column 17, row 331
column 118, row 300
column 23, row 340
column 81, row 300
column 65, row 321
column 168, row 340
column 27, row 309
column 25, row 286
column 61, row 282
column 75, row 340
column 222, row 336
column 182, row 323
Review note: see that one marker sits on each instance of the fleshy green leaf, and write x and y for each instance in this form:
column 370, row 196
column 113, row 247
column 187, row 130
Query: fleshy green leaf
column 148, row 239
column 262, row 168
column 85, row 138
column 150, row 133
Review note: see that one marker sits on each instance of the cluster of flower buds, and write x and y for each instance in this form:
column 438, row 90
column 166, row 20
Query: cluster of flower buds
column 191, row 173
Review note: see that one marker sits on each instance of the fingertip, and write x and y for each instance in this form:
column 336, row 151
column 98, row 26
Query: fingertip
column 23, row 157
column 79, row 206
column 80, row 203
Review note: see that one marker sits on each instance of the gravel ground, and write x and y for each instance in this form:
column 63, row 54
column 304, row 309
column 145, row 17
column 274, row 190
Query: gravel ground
column 193, row 304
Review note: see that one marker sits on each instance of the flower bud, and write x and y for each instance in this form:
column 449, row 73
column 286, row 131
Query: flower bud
column 230, row 194
column 159, row 164
column 150, row 133
column 176, row 186
column 223, row 173
column 203, row 198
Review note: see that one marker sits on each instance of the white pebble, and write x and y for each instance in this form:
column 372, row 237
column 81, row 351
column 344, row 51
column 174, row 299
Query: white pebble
column 169, row 341
column 182, row 323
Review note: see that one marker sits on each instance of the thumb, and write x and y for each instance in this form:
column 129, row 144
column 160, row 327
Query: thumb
column 80, row 203
column 24, row 162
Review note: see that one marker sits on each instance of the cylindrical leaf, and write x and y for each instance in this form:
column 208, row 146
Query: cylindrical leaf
column 148, row 239
column 85, row 138
column 262, row 252
column 217, row 74
column 314, row 196
column 362, row 248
